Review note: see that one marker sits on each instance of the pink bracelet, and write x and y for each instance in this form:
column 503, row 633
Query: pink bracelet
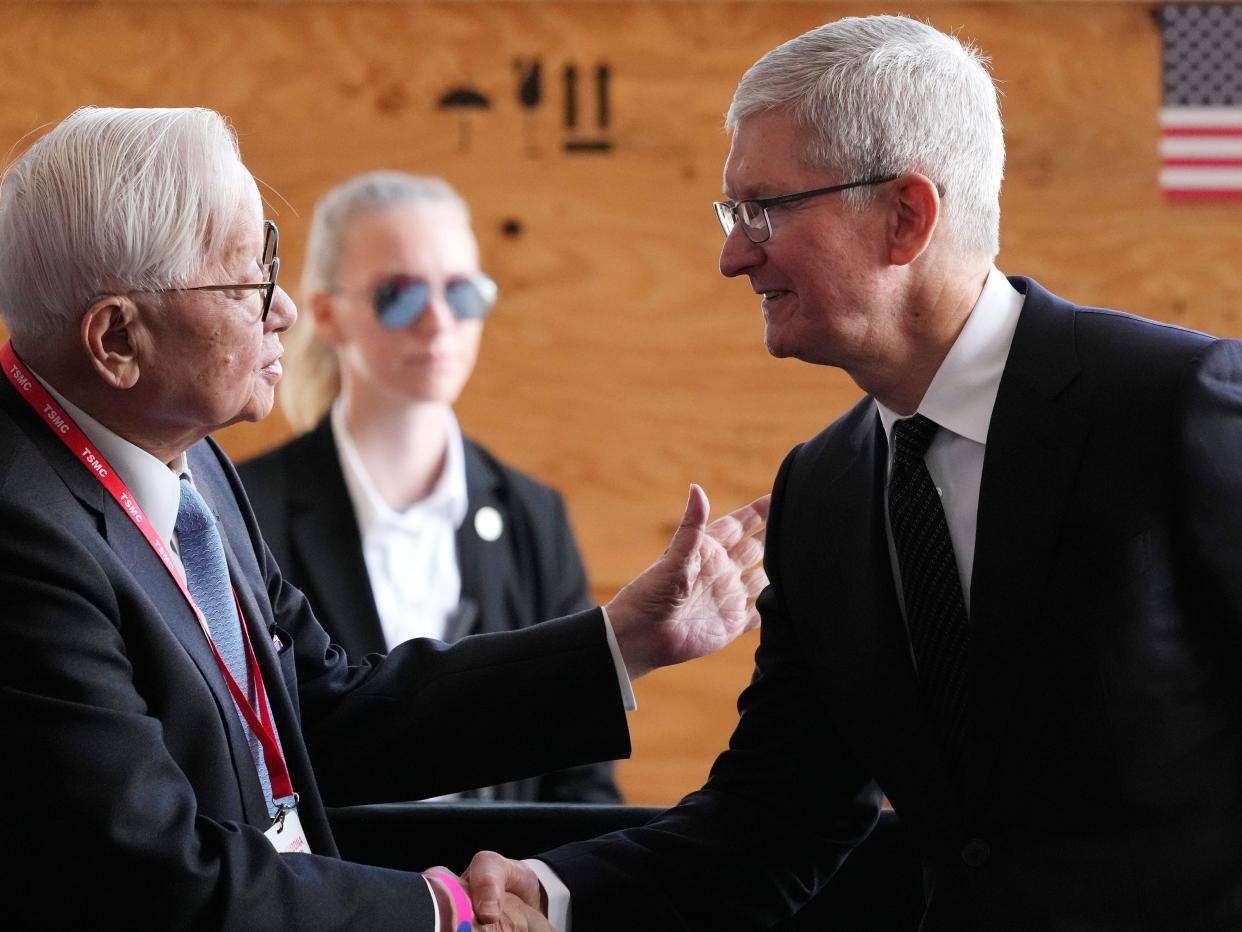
column 461, row 902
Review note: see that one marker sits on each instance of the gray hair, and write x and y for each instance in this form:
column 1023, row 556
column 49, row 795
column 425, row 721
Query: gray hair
column 113, row 201
column 886, row 95
column 312, row 374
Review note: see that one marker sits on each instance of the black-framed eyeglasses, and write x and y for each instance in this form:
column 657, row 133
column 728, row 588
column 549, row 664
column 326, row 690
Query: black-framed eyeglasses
column 401, row 299
column 269, row 261
column 753, row 213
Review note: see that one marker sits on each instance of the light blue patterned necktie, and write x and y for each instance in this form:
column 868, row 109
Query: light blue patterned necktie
column 207, row 576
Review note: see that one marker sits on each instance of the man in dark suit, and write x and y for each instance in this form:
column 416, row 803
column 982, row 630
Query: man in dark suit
column 1004, row 586
column 516, row 554
column 174, row 717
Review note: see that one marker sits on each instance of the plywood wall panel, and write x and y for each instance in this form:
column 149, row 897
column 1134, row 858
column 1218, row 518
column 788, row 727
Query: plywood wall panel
column 619, row 366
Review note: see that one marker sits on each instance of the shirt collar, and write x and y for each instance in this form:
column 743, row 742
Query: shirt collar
column 447, row 500
column 962, row 394
column 155, row 486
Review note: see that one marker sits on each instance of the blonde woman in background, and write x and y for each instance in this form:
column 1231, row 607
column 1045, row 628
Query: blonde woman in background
column 394, row 523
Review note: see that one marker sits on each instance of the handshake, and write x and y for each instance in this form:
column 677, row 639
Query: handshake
column 495, row 894
column 695, row 599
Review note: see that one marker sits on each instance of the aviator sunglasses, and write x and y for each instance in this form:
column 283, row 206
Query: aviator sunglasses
column 401, row 300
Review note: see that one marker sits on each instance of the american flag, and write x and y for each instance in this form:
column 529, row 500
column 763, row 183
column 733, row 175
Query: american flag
column 1201, row 110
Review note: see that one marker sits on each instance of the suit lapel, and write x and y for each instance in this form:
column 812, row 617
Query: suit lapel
column 257, row 616
column 1034, row 445
column 485, row 578
column 864, row 647
column 463, row 620
column 324, row 535
column 135, row 553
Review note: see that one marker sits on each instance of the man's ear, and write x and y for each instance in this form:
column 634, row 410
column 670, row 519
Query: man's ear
column 112, row 335
column 915, row 202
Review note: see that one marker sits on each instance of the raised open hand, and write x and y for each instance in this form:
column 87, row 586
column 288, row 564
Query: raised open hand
column 700, row 595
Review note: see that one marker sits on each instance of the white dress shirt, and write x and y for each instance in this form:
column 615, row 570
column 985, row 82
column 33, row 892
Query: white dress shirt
column 960, row 399
column 411, row 555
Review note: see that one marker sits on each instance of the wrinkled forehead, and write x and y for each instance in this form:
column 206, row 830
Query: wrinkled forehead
column 766, row 154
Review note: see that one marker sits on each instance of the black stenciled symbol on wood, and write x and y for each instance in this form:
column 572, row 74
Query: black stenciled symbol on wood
column 603, row 116
column 571, row 96
column 602, row 76
column 463, row 100
column 530, row 96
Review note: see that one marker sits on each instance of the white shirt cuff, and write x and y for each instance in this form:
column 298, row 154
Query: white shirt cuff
column 623, row 676
column 435, row 906
column 558, row 894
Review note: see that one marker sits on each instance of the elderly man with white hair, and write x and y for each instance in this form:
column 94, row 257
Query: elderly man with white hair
column 173, row 715
column 1005, row 586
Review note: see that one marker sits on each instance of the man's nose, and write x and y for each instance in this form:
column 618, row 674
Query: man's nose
column 282, row 313
column 739, row 254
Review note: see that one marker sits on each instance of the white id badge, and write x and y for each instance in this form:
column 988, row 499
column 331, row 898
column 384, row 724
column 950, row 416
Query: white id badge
column 286, row 834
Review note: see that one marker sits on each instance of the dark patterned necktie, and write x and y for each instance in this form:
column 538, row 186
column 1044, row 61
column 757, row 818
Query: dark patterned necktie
column 935, row 609
column 207, row 577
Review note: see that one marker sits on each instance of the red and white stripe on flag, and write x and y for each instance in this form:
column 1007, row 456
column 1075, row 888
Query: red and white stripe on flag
column 1201, row 109
column 1201, row 153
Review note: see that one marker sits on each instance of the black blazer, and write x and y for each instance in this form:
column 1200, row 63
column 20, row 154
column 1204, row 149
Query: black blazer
column 1104, row 785
column 129, row 794
column 532, row 572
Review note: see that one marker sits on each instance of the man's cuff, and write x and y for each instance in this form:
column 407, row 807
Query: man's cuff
column 435, row 906
column 623, row 676
column 558, row 894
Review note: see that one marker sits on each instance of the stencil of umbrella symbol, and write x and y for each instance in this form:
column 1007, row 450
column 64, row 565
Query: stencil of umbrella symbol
column 464, row 99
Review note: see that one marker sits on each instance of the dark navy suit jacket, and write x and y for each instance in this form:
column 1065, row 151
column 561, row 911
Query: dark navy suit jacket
column 530, row 573
column 130, row 797
column 1104, row 786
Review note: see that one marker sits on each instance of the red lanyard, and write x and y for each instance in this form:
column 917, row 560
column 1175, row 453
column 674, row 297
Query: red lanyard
column 71, row 435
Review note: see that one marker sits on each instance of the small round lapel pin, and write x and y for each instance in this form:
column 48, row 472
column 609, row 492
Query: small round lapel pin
column 488, row 523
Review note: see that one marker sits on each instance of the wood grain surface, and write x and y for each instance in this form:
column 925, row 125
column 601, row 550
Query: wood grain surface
column 619, row 366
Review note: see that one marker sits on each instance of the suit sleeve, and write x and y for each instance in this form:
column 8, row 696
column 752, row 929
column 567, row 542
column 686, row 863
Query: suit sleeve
column 782, row 808
column 101, row 821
